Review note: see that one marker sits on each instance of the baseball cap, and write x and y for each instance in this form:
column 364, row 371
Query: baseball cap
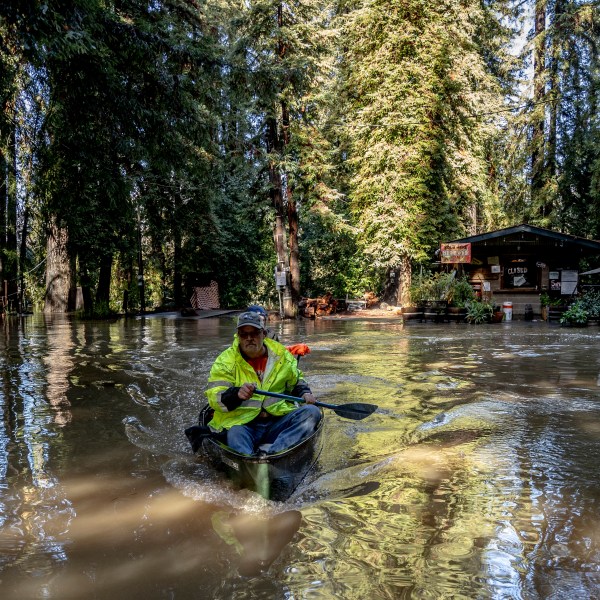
column 251, row 318
column 256, row 308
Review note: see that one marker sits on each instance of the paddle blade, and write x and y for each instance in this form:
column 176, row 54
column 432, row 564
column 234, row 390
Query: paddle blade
column 355, row 411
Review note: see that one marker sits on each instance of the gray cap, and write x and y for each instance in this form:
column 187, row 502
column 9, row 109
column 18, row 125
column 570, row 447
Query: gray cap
column 251, row 318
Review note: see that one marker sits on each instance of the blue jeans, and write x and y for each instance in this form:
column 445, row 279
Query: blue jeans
column 279, row 432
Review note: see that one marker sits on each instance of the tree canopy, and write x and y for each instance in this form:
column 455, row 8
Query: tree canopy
column 147, row 148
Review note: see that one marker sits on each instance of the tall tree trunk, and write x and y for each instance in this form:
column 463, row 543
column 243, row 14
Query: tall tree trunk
column 276, row 144
column 103, row 289
column 3, row 203
column 59, row 274
column 140, row 282
column 292, row 218
column 86, row 290
column 279, row 236
column 177, row 256
column 397, row 285
column 8, row 216
column 551, row 163
column 404, row 281
column 539, row 92
column 390, row 292
column 293, row 226
column 23, row 257
column 11, row 220
column 471, row 223
column 128, row 280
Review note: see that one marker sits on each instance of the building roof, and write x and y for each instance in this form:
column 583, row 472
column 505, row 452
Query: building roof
column 531, row 234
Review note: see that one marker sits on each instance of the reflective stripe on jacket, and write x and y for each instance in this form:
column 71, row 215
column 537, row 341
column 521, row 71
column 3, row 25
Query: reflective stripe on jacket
column 231, row 370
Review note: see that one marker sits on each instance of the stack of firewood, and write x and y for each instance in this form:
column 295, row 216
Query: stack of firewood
column 318, row 307
column 371, row 299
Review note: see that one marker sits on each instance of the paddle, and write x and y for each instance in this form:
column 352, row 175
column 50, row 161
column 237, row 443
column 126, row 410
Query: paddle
column 356, row 411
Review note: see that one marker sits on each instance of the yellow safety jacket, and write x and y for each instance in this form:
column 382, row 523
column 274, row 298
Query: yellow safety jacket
column 231, row 370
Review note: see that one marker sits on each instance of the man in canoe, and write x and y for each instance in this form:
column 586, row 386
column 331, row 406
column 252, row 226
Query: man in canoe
column 256, row 423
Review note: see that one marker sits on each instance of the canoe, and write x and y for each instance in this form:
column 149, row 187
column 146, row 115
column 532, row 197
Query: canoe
column 273, row 476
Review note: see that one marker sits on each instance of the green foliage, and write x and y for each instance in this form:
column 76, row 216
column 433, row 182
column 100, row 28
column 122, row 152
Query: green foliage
column 441, row 286
column 590, row 303
column 461, row 292
column 329, row 257
column 479, row 312
column 410, row 73
column 546, row 300
column 575, row 315
column 420, row 289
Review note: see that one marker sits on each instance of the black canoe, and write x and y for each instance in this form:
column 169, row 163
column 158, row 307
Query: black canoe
column 273, row 476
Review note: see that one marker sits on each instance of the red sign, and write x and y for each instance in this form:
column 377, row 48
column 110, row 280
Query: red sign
column 456, row 253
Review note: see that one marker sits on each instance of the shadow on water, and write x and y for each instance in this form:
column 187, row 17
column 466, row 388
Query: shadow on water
column 476, row 477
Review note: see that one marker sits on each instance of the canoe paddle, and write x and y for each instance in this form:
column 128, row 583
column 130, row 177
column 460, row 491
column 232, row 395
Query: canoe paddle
column 356, row 411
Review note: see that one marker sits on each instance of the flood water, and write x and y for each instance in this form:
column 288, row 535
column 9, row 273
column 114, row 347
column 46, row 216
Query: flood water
column 476, row 478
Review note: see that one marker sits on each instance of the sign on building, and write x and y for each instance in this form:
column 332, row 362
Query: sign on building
column 456, row 252
column 568, row 282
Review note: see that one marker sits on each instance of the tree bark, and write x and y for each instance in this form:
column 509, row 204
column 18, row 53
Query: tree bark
column 11, row 219
column 390, row 292
column 3, row 202
column 539, row 92
column 128, row 280
column 59, row 276
column 23, row 258
column 404, row 281
column 177, row 257
column 276, row 144
column 140, row 282
column 279, row 236
column 86, row 292
column 103, row 289
column 551, row 163
column 293, row 227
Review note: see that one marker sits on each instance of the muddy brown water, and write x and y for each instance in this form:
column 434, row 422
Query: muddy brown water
column 477, row 477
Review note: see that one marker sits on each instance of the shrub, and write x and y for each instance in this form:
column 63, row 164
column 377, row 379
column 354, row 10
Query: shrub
column 461, row 293
column 590, row 302
column 479, row 312
column 441, row 286
column 575, row 315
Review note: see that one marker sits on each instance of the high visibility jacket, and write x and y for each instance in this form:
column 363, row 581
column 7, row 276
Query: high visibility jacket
column 230, row 369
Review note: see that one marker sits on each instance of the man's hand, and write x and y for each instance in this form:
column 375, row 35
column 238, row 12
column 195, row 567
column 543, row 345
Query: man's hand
column 246, row 391
column 309, row 398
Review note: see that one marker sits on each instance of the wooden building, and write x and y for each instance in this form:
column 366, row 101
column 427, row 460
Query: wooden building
column 518, row 264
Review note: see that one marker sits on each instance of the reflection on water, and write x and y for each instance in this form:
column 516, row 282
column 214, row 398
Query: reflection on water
column 258, row 539
column 476, row 478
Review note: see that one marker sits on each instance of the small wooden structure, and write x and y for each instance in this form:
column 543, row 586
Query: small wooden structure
column 517, row 264
column 206, row 298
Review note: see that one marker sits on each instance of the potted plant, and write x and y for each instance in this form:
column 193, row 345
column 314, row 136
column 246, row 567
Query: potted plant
column 441, row 287
column 575, row 315
column 544, row 303
column 479, row 312
column 419, row 290
column 497, row 314
column 417, row 293
column 460, row 294
column 555, row 307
